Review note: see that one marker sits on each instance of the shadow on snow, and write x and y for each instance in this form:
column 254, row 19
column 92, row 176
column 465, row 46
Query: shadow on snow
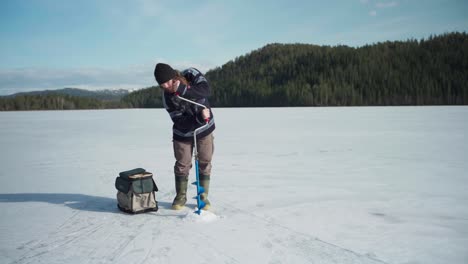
column 72, row 200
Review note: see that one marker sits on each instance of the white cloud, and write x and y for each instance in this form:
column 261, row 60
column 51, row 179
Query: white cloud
column 131, row 77
column 386, row 4
column 379, row 5
column 27, row 79
column 382, row 30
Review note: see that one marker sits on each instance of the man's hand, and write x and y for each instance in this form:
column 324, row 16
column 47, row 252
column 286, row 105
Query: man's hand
column 206, row 113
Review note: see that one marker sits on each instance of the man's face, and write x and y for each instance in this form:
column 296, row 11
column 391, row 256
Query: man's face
column 167, row 86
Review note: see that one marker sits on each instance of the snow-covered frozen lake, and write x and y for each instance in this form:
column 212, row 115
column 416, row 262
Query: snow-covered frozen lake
column 289, row 185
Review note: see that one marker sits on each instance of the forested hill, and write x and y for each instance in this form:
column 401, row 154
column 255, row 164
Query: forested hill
column 431, row 71
column 413, row 72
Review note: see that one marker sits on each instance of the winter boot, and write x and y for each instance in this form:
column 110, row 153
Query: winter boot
column 181, row 189
column 205, row 183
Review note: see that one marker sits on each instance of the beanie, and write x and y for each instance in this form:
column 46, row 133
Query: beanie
column 163, row 73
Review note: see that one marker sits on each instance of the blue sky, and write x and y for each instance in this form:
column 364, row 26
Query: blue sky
column 98, row 44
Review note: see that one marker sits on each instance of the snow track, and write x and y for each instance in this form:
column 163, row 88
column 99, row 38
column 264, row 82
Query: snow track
column 232, row 235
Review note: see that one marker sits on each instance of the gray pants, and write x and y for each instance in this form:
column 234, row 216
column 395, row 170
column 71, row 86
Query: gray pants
column 183, row 155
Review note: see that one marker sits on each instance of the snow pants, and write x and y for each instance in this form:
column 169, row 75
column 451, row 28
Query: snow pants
column 183, row 155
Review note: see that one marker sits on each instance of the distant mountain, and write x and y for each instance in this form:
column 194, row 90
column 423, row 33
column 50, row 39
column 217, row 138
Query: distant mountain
column 105, row 95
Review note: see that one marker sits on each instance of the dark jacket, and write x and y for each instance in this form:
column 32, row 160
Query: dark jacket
column 186, row 116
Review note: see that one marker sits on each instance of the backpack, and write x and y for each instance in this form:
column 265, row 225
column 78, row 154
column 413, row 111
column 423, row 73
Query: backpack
column 136, row 191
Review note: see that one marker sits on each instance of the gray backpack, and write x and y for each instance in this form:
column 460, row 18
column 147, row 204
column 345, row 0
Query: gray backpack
column 136, row 191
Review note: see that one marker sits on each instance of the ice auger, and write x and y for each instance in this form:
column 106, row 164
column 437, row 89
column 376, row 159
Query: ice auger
column 200, row 189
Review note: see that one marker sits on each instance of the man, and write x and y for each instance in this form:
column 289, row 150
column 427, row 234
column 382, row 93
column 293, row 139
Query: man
column 192, row 85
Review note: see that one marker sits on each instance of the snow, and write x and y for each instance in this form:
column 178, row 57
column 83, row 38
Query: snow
column 289, row 185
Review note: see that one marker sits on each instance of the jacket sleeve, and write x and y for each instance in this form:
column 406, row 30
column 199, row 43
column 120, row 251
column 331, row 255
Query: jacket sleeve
column 198, row 87
column 179, row 116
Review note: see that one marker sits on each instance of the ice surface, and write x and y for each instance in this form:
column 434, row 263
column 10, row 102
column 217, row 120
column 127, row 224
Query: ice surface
column 289, row 185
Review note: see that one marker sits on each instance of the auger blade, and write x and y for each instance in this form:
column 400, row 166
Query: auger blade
column 201, row 205
column 200, row 190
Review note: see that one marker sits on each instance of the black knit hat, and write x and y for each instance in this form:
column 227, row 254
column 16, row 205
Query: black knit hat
column 163, row 73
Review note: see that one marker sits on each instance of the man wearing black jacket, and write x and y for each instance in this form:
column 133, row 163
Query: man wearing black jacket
column 190, row 84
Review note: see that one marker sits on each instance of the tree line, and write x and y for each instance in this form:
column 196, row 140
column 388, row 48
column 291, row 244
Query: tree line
column 432, row 71
column 55, row 101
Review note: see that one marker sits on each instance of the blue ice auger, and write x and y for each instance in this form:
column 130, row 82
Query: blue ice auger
column 200, row 189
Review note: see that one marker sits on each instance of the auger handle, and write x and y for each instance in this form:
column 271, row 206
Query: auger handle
column 207, row 120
